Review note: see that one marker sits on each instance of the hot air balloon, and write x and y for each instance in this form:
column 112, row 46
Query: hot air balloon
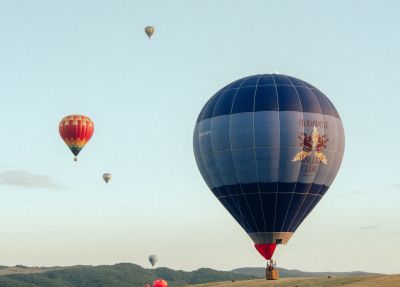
column 149, row 30
column 76, row 131
column 269, row 147
column 153, row 259
column 107, row 177
column 160, row 283
column 147, row 285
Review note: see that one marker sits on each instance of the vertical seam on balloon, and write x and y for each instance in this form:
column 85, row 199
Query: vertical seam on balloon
column 306, row 194
column 62, row 131
column 90, row 124
column 315, row 175
column 66, row 130
column 78, row 130
column 70, row 130
column 298, row 172
column 316, row 198
column 211, row 141
column 230, row 144
column 200, row 150
column 83, row 126
column 255, row 155
column 336, row 116
column 279, row 150
column 198, row 145
column 216, row 167
column 86, row 132
column 83, row 130
column 203, row 165
column 311, row 204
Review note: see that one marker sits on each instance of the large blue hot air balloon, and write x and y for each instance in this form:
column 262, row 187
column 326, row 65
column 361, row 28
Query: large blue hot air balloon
column 269, row 147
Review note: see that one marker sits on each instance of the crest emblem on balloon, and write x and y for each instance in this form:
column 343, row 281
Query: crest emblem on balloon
column 312, row 144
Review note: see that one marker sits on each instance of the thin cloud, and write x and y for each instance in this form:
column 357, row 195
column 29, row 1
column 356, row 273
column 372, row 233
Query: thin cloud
column 26, row 179
column 369, row 227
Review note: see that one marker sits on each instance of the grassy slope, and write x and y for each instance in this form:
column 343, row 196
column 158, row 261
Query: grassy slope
column 290, row 273
column 347, row 281
column 117, row 276
column 246, row 271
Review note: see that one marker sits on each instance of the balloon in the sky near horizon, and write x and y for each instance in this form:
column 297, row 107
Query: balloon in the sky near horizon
column 149, row 30
column 107, row 176
column 269, row 147
column 153, row 259
column 76, row 131
column 160, row 283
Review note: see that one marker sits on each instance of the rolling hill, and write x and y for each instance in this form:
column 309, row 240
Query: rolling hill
column 126, row 274
column 119, row 275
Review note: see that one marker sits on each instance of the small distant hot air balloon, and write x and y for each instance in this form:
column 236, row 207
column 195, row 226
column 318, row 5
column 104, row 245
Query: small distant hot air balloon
column 149, row 30
column 76, row 131
column 160, row 283
column 153, row 259
column 147, row 285
column 107, row 177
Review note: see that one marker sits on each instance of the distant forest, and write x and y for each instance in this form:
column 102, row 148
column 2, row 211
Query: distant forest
column 119, row 275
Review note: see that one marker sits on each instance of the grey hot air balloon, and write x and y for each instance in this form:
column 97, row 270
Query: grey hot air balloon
column 153, row 259
column 149, row 30
column 107, row 177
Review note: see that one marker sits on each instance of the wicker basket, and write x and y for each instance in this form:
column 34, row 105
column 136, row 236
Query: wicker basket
column 272, row 274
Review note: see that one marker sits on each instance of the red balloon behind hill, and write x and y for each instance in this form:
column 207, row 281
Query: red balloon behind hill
column 160, row 283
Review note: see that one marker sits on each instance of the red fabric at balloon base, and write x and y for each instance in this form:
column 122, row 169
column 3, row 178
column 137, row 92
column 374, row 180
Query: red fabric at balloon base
column 266, row 250
column 160, row 283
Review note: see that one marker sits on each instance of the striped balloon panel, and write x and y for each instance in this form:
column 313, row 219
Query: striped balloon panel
column 253, row 143
column 160, row 283
column 76, row 131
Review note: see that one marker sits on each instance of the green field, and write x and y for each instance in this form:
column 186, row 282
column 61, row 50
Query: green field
column 348, row 281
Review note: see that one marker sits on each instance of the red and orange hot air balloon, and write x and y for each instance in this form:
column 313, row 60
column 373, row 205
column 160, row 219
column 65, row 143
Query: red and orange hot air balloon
column 160, row 283
column 76, row 131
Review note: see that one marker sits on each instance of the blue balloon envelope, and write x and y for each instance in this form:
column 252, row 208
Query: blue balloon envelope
column 269, row 147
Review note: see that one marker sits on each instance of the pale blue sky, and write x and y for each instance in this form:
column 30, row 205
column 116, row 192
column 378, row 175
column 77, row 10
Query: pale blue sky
column 92, row 57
